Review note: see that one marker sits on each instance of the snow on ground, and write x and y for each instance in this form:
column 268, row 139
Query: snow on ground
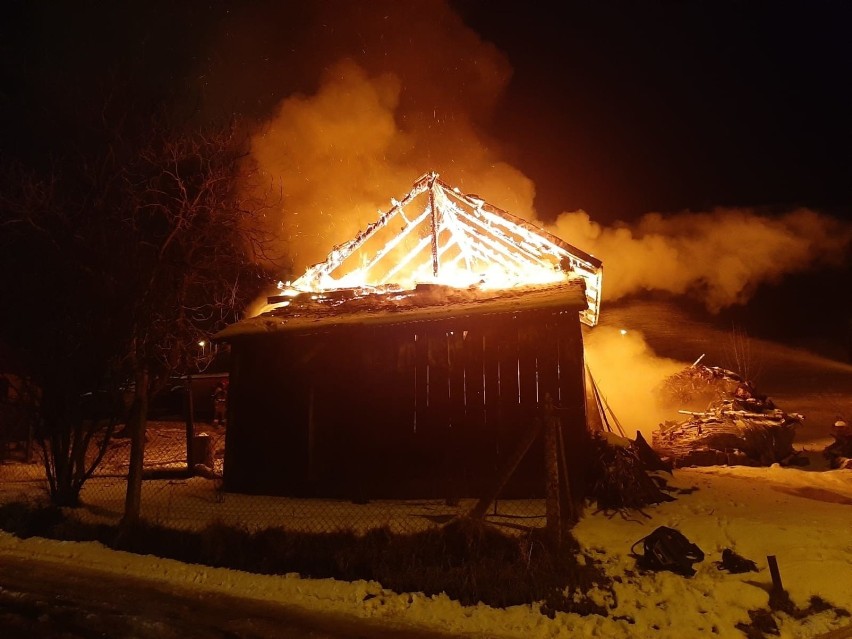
column 803, row 517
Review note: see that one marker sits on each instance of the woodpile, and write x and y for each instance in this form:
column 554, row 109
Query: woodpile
column 738, row 427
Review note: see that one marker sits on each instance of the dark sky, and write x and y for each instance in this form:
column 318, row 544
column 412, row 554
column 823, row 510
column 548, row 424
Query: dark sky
column 619, row 108
column 672, row 105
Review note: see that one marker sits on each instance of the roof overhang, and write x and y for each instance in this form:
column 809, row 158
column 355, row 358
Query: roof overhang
column 330, row 310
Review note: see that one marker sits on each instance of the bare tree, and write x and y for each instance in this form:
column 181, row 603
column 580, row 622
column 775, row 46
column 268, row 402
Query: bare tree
column 197, row 246
column 54, row 288
column 114, row 267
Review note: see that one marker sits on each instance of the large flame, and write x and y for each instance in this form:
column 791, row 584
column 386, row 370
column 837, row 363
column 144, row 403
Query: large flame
column 437, row 235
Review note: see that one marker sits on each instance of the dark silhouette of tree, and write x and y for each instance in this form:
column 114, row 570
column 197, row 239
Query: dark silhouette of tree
column 124, row 239
column 114, row 265
column 194, row 263
column 57, row 318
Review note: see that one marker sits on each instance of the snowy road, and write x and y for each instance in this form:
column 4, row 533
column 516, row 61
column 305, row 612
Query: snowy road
column 41, row 600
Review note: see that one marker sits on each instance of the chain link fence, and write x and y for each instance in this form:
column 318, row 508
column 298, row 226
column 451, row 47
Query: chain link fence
column 177, row 496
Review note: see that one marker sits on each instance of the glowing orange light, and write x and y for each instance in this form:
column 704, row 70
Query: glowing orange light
column 436, row 235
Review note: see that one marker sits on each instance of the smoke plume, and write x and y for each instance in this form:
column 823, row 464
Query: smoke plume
column 405, row 88
column 629, row 375
column 720, row 256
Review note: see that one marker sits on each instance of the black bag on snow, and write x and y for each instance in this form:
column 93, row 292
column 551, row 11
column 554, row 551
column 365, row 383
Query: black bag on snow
column 668, row 549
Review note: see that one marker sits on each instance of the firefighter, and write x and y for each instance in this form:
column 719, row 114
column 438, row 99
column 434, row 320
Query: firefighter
column 220, row 403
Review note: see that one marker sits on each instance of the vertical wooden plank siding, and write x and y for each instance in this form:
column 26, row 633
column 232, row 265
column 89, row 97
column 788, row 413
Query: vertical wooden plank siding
column 474, row 388
column 426, row 409
column 421, row 372
column 439, row 379
column 507, row 353
column 491, row 381
column 528, row 335
column 572, row 403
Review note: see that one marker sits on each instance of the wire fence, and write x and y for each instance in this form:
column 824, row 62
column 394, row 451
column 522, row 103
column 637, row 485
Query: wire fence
column 178, row 496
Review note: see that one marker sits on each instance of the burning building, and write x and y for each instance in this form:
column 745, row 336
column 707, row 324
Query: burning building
column 412, row 360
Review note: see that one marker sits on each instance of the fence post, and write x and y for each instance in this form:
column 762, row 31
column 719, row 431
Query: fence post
column 190, row 423
column 553, row 503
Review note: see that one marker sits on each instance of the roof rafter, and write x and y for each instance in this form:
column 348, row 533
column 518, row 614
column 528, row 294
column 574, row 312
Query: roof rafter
column 485, row 240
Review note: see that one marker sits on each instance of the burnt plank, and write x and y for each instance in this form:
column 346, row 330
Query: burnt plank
column 489, row 445
column 421, row 380
column 510, row 425
column 547, row 360
column 456, row 373
column 439, row 377
column 507, row 349
column 491, row 377
column 406, row 366
column 575, row 437
column 474, row 387
column 528, row 334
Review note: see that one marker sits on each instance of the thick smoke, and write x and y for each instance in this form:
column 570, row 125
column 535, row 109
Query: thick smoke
column 405, row 88
column 629, row 375
column 720, row 256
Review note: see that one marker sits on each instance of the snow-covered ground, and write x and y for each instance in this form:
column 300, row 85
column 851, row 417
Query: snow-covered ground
column 802, row 517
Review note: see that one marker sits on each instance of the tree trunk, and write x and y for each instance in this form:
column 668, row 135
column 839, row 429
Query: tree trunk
column 137, row 421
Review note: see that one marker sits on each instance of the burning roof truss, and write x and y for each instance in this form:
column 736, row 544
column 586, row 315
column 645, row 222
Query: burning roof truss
column 436, row 234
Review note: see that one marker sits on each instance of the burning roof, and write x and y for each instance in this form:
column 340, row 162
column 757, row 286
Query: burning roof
column 435, row 250
column 321, row 311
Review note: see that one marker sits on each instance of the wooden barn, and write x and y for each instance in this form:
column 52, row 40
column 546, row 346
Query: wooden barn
column 423, row 389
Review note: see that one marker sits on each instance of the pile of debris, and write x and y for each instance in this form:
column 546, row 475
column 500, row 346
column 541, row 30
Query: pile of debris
column 738, row 427
column 622, row 472
column 839, row 452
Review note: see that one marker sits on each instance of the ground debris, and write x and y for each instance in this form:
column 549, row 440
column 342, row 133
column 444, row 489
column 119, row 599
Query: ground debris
column 739, row 426
column 735, row 563
column 623, row 480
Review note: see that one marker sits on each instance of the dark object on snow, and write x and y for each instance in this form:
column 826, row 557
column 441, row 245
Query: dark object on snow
column 734, row 563
column 649, row 456
column 620, row 480
column 668, row 549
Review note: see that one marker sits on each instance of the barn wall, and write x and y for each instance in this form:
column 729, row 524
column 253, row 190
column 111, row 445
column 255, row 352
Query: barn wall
column 428, row 409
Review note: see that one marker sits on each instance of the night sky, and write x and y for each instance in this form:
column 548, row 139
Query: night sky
column 680, row 105
column 619, row 108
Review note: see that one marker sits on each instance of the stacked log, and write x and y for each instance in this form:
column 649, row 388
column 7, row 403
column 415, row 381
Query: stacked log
column 739, row 427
